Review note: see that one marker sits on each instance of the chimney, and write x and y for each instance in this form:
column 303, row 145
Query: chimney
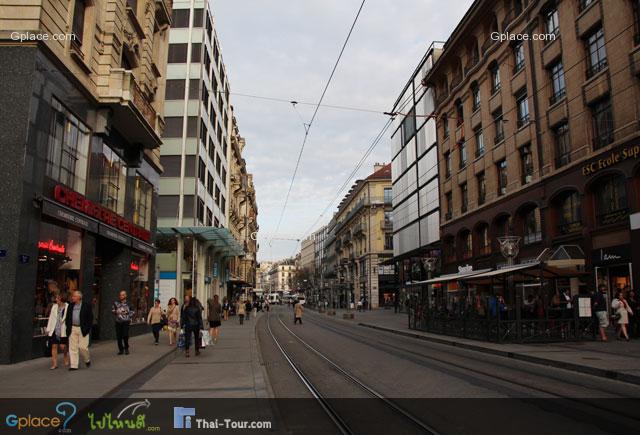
column 378, row 166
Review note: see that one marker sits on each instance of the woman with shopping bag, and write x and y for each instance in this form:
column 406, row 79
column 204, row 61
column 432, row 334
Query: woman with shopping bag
column 191, row 322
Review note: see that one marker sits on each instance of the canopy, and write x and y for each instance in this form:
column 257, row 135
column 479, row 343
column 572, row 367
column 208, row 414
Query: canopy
column 450, row 277
column 220, row 238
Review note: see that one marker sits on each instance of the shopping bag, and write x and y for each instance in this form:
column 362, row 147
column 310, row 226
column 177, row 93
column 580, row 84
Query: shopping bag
column 181, row 340
column 205, row 338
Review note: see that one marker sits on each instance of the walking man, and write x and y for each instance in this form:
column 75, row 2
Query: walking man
column 123, row 314
column 78, row 323
column 297, row 313
column 600, row 308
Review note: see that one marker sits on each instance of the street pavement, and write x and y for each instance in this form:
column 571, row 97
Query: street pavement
column 231, row 368
column 614, row 359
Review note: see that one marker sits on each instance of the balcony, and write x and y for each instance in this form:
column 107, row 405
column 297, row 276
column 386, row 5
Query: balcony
column 133, row 113
column 386, row 225
column 595, row 68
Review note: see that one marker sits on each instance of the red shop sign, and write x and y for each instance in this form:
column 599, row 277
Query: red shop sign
column 134, row 266
column 78, row 202
column 52, row 247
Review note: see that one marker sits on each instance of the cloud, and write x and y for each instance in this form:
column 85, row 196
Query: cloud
column 286, row 49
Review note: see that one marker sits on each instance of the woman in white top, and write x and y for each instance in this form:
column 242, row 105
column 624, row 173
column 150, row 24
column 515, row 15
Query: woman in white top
column 623, row 311
column 57, row 331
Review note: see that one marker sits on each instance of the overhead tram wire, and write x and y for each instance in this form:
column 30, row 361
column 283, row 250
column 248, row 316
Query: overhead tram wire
column 315, row 113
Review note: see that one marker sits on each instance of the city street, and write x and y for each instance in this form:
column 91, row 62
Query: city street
column 438, row 385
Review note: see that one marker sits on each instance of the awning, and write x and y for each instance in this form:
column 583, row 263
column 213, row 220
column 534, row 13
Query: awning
column 504, row 271
column 219, row 238
column 450, row 277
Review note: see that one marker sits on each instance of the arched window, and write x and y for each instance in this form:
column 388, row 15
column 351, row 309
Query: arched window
column 483, row 240
column 569, row 213
column 475, row 95
column 532, row 226
column 611, row 200
column 459, row 112
column 466, row 241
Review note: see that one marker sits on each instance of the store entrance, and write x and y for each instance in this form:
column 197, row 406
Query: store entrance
column 615, row 278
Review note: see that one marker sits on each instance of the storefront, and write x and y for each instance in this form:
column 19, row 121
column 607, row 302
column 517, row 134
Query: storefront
column 613, row 268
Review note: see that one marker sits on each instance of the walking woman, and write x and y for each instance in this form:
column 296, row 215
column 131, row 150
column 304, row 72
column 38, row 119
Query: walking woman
column 240, row 310
column 57, row 331
column 623, row 311
column 191, row 320
column 173, row 320
column 155, row 320
column 225, row 309
column 214, row 317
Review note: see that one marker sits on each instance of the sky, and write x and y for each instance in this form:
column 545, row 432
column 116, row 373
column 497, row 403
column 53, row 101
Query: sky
column 286, row 49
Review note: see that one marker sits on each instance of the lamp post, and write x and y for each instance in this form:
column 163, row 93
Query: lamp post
column 510, row 248
column 430, row 265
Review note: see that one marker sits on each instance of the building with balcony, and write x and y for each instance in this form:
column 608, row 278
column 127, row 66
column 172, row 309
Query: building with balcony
column 282, row 275
column 197, row 246
column 81, row 159
column 416, row 207
column 538, row 138
column 363, row 239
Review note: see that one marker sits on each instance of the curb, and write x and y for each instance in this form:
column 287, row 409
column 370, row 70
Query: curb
column 608, row 374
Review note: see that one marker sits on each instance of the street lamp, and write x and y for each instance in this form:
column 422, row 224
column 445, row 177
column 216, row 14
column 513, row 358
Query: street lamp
column 509, row 248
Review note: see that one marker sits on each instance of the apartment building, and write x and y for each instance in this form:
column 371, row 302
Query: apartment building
column 363, row 237
column 282, row 275
column 81, row 159
column 538, row 136
column 193, row 211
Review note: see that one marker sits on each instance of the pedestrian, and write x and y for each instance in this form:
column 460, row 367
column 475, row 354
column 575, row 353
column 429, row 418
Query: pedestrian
column 78, row 322
column 173, row 320
column 599, row 303
column 57, row 331
column 240, row 310
column 123, row 312
column 248, row 308
column 297, row 313
column 191, row 319
column 622, row 311
column 155, row 320
column 214, row 317
column 360, row 305
column 225, row 309
column 632, row 300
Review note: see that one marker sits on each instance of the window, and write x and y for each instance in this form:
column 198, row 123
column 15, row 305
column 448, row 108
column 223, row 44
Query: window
column 484, row 243
column 611, row 200
column 174, row 89
column 450, row 249
column 459, row 113
column 585, row 3
column 180, row 18
column 557, row 82
column 479, row 142
column 223, row 204
column 495, row 78
column 143, row 197
column 602, row 121
column 482, row 188
column 209, row 217
column 532, row 231
column 464, row 198
column 200, row 212
column 197, row 17
column 177, row 53
column 173, row 126
column 223, row 176
column 462, row 146
column 388, row 241
column 475, row 95
column 445, row 126
column 210, row 184
column 409, row 126
column 597, row 53
column 498, row 122
column 217, row 195
column 517, row 7
column 502, row 177
column 133, row 4
column 518, row 55
column 449, row 205
column 467, row 245
column 526, row 164
column 562, row 144
column 388, row 194
column 636, row 20
column 196, row 53
column 202, row 172
column 113, row 181
column 218, row 165
column 68, row 151
column 447, row 164
column 522, row 103
column 77, row 28
column 551, row 22
column 570, row 213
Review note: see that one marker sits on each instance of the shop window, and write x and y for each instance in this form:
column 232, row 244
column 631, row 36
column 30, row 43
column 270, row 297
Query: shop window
column 139, row 294
column 532, row 226
column 59, row 260
column 68, row 151
column 112, row 181
column 611, row 200
column 570, row 213
column 143, row 198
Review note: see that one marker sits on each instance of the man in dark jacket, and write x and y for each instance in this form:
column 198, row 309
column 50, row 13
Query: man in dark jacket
column 79, row 322
column 191, row 322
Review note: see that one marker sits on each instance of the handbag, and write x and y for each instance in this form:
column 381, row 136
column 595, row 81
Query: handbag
column 205, row 338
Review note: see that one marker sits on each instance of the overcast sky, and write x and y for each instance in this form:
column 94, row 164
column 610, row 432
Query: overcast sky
column 286, row 49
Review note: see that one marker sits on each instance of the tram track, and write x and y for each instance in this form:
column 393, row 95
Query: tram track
column 334, row 414
column 587, row 405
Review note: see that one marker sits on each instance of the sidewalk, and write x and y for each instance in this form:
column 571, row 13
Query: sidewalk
column 614, row 359
column 231, row 368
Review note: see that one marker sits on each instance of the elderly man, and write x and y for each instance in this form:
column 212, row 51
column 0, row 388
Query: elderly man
column 79, row 321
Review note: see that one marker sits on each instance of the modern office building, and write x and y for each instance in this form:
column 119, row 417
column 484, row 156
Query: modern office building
column 364, row 239
column 81, row 163
column 307, row 255
column 538, row 138
column 195, row 245
column 414, row 168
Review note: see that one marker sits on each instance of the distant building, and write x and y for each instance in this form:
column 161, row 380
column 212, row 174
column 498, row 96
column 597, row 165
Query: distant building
column 282, row 274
